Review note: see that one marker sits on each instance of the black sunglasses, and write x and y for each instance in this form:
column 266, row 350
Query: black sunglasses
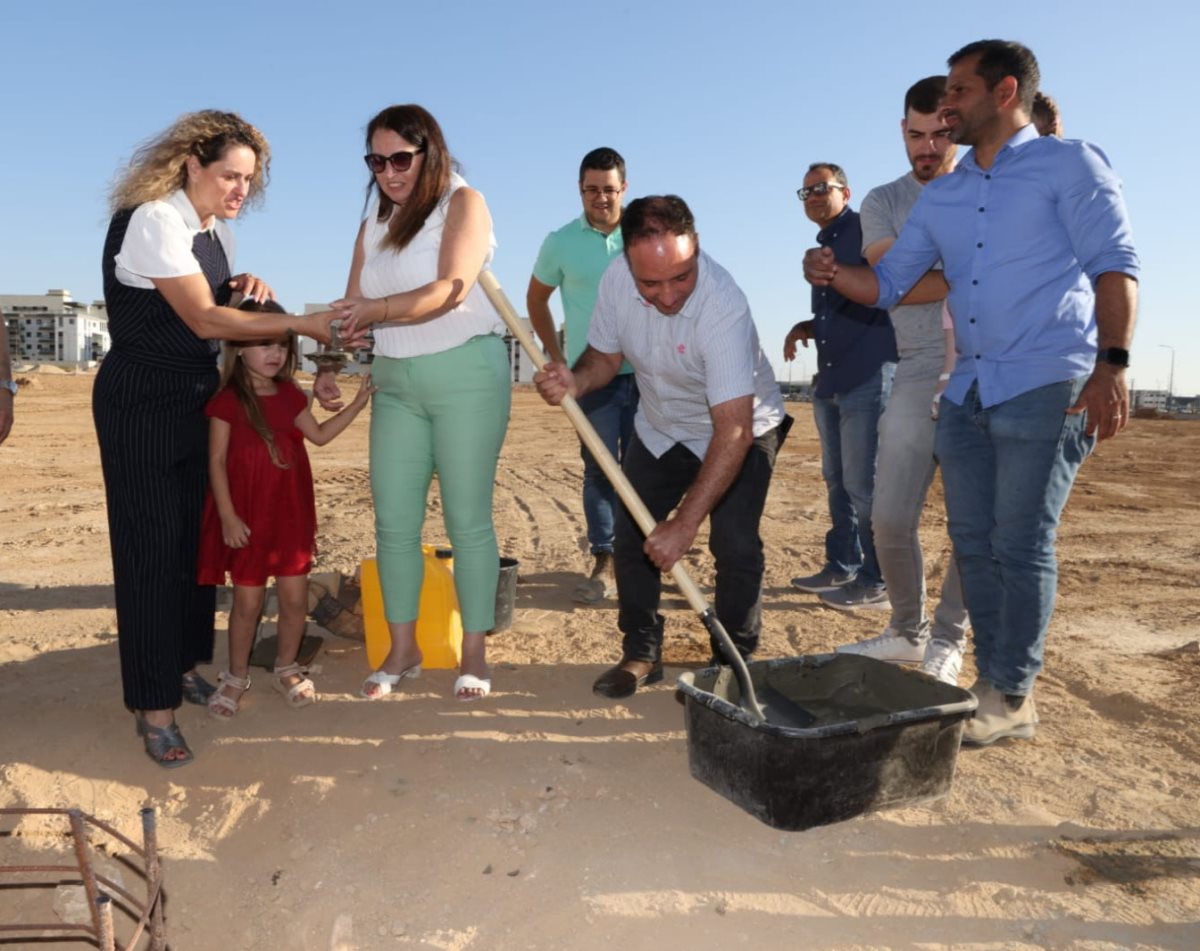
column 400, row 161
column 820, row 188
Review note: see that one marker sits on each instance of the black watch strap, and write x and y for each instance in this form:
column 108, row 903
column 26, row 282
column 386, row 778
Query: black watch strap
column 1117, row 356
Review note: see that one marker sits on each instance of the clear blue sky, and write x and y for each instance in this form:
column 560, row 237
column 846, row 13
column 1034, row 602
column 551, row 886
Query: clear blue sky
column 722, row 103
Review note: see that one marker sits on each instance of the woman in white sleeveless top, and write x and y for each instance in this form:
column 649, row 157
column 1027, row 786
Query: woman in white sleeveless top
column 443, row 376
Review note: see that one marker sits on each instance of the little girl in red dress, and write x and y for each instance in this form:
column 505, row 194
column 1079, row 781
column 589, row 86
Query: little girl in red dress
column 260, row 518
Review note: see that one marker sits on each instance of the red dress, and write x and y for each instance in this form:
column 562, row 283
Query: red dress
column 276, row 504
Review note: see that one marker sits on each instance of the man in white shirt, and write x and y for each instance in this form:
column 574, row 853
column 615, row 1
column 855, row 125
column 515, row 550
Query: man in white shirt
column 706, row 432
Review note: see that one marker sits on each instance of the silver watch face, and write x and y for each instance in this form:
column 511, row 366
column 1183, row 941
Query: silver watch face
column 10, row 385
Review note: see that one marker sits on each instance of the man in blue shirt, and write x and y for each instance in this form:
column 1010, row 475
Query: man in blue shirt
column 856, row 358
column 573, row 259
column 1038, row 253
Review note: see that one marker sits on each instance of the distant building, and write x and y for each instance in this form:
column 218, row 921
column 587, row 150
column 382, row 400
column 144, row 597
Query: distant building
column 53, row 328
column 802, row 392
column 520, row 366
column 1149, row 399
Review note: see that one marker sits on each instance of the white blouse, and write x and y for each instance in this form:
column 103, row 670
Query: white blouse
column 158, row 241
column 386, row 271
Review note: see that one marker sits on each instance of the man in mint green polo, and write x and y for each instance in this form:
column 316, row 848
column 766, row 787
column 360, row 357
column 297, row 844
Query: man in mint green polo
column 573, row 258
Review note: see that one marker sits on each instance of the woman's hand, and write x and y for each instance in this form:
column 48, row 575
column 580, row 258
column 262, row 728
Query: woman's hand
column 254, row 288
column 327, row 391
column 316, row 326
column 234, row 531
column 363, row 311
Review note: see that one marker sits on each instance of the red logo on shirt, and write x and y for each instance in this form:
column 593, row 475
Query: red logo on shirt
column 681, row 348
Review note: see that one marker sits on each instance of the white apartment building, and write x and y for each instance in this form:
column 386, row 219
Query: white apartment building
column 1149, row 399
column 53, row 328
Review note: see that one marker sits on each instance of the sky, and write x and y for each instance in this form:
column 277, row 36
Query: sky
column 722, row 103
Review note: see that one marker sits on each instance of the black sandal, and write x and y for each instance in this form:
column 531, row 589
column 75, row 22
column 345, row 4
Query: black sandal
column 160, row 740
column 197, row 690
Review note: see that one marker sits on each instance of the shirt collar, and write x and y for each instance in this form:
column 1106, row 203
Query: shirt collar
column 181, row 203
column 585, row 225
column 826, row 232
column 1027, row 133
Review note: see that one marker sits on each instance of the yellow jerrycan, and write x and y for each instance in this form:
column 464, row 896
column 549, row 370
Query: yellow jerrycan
column 439, row 624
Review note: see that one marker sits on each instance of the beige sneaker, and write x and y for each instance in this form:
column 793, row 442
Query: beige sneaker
column 600, row 585
column 996, row 718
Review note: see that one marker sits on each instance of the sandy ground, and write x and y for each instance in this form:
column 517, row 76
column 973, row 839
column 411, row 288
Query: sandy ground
column 547, row 818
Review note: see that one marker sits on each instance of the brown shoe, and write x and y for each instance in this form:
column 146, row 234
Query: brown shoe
column 618, row 682
column 601, row 584
column 999, row 717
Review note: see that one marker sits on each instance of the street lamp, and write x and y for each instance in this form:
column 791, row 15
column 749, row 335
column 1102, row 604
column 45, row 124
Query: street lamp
column 1171, row 378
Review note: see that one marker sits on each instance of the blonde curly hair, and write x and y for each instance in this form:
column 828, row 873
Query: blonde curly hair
column 159, row 167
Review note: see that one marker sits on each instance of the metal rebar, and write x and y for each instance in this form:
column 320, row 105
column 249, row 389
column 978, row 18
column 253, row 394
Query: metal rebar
column 79, row 839
column 105, row 936
column 158, row 933
column 100, row 904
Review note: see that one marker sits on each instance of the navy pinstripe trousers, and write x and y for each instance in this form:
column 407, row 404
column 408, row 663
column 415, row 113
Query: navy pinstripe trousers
column 153, row 439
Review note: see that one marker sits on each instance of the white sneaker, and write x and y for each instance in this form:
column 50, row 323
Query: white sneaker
column 943, row 660
column 890, row 646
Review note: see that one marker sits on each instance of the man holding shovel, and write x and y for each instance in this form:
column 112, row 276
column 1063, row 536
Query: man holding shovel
column 708, row 425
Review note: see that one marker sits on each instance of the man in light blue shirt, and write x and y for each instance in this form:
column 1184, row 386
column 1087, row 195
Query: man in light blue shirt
column 573, row 258
column 1037, row 250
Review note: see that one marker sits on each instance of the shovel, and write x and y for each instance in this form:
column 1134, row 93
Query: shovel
column 641, row 515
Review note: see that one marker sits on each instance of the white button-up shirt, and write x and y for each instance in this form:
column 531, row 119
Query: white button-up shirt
column 158, row 241
column 685, row 363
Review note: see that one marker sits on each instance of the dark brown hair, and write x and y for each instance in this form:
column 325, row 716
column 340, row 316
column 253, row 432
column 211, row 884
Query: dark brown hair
column 657, row 216
column 1045, row 115
column 924, row 95
column 602, row 159
column 235, row 375
column 1000, row 58
column 415, row 125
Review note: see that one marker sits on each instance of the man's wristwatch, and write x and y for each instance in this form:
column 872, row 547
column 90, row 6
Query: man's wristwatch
column 1115, row 356
column 10, row 385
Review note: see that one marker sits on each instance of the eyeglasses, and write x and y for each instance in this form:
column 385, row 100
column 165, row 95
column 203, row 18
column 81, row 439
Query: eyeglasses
column 821, row 188
column 592, row 191
column 400, row 161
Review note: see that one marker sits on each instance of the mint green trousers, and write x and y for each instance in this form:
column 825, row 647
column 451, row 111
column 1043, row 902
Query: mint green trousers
column 445, row 413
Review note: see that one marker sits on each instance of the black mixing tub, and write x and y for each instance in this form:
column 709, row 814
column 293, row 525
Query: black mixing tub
column 877, row 736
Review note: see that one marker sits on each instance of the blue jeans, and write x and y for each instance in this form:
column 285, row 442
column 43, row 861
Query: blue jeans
column 610, row 410
column 848, row 424
column 1007, row 471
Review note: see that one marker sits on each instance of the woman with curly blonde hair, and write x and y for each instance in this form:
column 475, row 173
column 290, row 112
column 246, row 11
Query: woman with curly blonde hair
column 168, row 282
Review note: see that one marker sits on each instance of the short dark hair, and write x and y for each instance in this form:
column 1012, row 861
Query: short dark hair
column 267, row 306
column 834, row 170
column 1045, row 115
column 1000, row 58
column 657, row 216
column 924, row 95
column 603, row 159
